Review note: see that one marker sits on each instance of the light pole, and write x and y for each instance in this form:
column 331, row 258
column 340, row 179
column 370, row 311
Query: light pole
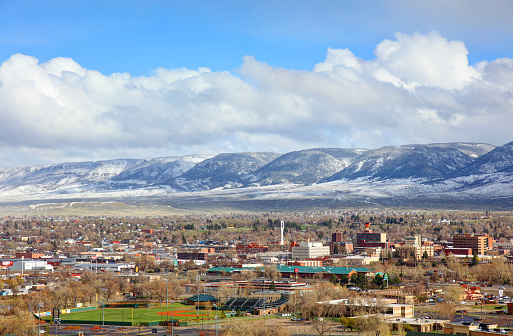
column 167, row 288
column 39, row 305
column 216, row 319
column 172, row 318
column 103, row 305
column 197, row 312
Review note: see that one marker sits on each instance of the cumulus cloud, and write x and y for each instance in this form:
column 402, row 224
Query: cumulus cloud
column 417, row 89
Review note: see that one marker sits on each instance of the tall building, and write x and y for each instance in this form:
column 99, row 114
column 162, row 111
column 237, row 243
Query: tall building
column 307, row 250
column 413, row 240
column 367, row 236
column 415, row 248
column 337, row 237
column 478, row 243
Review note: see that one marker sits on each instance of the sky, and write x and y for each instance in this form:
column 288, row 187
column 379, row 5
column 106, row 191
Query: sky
column 97, row 80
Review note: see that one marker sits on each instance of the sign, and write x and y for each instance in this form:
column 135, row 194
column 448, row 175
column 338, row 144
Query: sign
column 501, row 292
column 7, row 263
column 385, row 276
column 296, row 270
column 57, row 320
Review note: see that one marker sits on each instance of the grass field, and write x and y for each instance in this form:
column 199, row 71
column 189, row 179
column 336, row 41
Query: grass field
column 138, row 315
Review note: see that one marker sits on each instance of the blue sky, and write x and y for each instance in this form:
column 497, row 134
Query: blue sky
column 160, row 78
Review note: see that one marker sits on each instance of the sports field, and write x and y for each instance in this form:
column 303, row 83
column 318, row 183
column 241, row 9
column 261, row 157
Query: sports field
column 179, row 312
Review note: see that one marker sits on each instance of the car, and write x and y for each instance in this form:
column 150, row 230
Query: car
column 42, row 331
column 294, row 319
column 462, row 311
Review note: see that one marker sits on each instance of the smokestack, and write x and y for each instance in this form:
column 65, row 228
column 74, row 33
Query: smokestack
column 282, row 227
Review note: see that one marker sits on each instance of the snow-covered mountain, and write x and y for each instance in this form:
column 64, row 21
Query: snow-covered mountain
column 399, row 162
column 410, row 175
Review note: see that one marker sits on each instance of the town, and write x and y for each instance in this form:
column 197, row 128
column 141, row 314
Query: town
column 319, row 273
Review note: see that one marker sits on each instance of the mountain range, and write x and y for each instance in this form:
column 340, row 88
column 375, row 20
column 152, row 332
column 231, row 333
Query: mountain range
column 453, row 175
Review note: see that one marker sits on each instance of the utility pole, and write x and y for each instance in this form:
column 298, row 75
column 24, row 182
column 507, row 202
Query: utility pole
column 216, row 319
column 39, row 319
column 167, row 288
column 172, row 317
column 197, row 306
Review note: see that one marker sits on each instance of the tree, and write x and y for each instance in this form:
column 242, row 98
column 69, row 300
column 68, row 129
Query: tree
column 475, row 259
column 378, row 281
column 223, row 293
column 333, row 279
column 359, row 279
column 347, row 322
column 344, row 279
column 372, row 325
column 272, row 286
column 250, row 328
column 272, row 273
column 22, row 322
column 321, row 326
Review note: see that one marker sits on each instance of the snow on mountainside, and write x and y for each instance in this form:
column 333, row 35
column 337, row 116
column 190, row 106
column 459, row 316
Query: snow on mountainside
column 223, row 170
column 104, row 174
column 399, row 162
column 305, row 167
column 498, row 160
column 459, row 173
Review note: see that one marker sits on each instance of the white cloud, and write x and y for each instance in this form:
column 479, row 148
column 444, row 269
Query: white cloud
column 417, row 89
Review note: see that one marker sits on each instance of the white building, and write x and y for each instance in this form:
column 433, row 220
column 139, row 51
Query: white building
column 98, row 267
column 30, row 265
column 307, row 250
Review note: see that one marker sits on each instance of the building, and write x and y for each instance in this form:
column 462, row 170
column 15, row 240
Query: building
column 307, row 250
column 478, row 243
column 391, row 309
column 25, row 265
column 415, row 248
column 368, row 236
column 458, row 251
column 312, row 263
column 251, row 248
column 28, row 255
column 341, row 248
column 337, row 237
column 192, row 255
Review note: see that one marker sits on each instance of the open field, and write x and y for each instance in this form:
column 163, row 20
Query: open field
column 140, row 315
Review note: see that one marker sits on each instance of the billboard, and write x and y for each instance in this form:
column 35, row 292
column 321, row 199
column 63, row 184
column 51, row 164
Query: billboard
column 7, row 263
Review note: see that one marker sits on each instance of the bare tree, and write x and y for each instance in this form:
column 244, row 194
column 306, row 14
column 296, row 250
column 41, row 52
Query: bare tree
column 250, row 328
column 321, row 326
column 21, row 322
column 271, row 272
column 372, row 325
column 224, row 292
